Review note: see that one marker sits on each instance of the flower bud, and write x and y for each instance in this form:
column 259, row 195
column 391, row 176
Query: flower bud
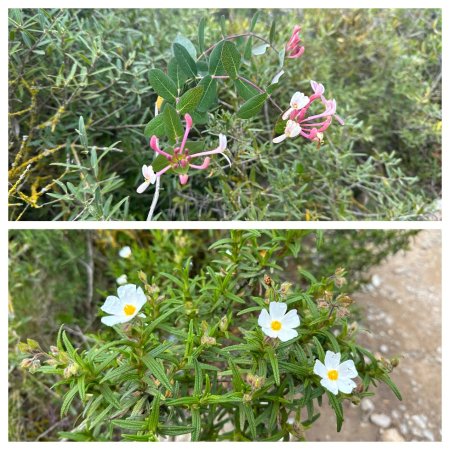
column 339, row 272
column 208, row 340
column 51, row 362
column 339, row 282
column 395, row 361
column 247, row 398
column 26, row 363
column 223, row 324
column 54, row 350
column 355, row 400
column 344, row 300
column 267, row 280
column 142, row 277
column 35, row 365
column 285, row 288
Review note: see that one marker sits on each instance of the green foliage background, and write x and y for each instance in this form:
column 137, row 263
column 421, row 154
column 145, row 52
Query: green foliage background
column 63, row 276
column 382, row 66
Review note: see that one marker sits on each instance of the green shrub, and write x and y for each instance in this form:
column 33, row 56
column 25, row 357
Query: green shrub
column 382, row 66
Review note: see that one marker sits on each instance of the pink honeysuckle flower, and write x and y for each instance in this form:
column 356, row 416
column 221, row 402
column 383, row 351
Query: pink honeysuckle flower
column 150, row 178
column 310, row 127
column 181, row 159
column 294, row 49
column 298, row 101
column 291, row 130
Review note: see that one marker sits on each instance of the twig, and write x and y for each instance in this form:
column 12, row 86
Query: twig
column 154, row 201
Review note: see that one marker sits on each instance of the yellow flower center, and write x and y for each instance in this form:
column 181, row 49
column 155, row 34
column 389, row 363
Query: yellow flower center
column 129, row 310
column 275, row 325
column 333, row 375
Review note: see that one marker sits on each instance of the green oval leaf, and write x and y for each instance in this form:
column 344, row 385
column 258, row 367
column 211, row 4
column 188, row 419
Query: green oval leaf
column 245, row 90
column 209, row 93
column 172, row 123
column 215, row 60
column 162, row 84
column 189, row 100
column 176, row 74
column 252, row 107
column 231, row 59
column 185, row 61
column 155, row 127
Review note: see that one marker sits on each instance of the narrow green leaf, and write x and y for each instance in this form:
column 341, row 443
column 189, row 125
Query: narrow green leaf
column 175, row 430
column 387, row 379
column 337, row 407
column 94, row 161
column 231, row 59
column 272, row 31
column 82, row 132
column 250, row 416
column 201, row 34
column 154, row 413
column 157, row 369
column 68, row 399
column 155, row 127
column 198, row 378
column 248, row 49
column 172, row 123
column 252, row 106
column 274, row 363
column 254, row 20
column 185, row 61
column 320, row 352
column 190, row 100
column 109, row 395
column 196, row 423
column 162, row 84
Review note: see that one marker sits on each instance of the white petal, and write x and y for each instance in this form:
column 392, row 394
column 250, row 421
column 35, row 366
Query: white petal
column 126, row 292
column 320, row 369
column 264, row 319
column 286, row 334
column 143, row 187
column 299, row 100
column 122, row 279
column 332, row 360
column 222, row 141
column 277, row 310
column 113, row 320
column 125, row 252
column 291, row 319
column 293, row 129
column 330, row 385
column 112, row 305
column 151, row 176
column 269, row 332
column 346, row 385
column 140, row 298
column 144, row 171
column 286, row 114
column 347, row 370
column 279, row 139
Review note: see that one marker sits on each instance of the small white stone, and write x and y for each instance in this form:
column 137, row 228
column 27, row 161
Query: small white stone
column 381, row 420
column 376, row 281
column 384, row 348
column 367, row 405
column 427, row 434
column 420, row 420
column 392, row 435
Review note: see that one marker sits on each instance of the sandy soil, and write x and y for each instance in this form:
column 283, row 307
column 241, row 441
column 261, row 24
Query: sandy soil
column 402, row 311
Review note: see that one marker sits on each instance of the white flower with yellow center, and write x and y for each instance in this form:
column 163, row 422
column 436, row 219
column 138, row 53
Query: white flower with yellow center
column 125, row 306
column 149, row 176
column 291, row 130
column 275, row 323
column 336, row 376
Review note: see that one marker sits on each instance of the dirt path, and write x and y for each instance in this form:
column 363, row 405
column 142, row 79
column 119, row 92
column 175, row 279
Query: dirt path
column 402, row 309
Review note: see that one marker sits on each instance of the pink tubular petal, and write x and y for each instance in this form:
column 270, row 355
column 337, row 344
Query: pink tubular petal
column 154, row 146
column 184, row 178
column 204, row 165
column 158, row 174
column 188, row 120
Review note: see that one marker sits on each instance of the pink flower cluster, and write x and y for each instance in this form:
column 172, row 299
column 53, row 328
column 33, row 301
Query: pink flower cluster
column 180, row 161
column 309, row 126
column 294, row 49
